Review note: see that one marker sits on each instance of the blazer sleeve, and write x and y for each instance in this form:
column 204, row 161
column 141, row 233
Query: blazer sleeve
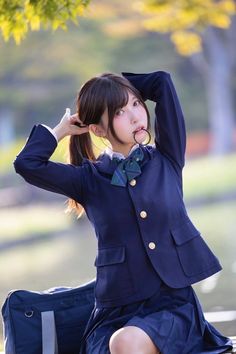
column 33, row 164
column 170, row 131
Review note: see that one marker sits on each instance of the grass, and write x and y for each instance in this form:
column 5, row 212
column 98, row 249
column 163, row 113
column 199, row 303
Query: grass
column 204, row 176
column 64, row 261
column 30, row 219
column 208, row 176
column 69, row 260
column 217, row 225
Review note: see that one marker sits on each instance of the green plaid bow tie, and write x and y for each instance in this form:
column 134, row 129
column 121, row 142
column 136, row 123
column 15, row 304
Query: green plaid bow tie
column 128, row 168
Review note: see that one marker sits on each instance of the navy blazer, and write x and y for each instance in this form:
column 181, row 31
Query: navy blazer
column 143, row 230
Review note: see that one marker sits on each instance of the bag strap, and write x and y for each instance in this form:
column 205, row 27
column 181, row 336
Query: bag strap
column 49, row 335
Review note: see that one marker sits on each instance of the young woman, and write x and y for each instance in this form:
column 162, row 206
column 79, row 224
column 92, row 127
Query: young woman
column 149, row 252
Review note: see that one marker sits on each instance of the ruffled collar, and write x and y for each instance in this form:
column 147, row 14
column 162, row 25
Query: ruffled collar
column 119, row 155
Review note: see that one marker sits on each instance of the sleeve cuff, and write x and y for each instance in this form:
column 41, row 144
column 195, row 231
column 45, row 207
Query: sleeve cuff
column 51, row 131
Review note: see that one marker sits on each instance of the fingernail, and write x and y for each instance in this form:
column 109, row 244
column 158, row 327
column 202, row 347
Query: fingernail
column 68, row 111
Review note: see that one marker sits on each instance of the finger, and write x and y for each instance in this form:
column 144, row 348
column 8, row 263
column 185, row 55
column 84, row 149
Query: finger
column 77, row 131
column 80, row 124
column 67, row 114
column 74, row 116
column 76, row 121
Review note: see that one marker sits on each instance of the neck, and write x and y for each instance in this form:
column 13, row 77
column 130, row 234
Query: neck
column 123, row 149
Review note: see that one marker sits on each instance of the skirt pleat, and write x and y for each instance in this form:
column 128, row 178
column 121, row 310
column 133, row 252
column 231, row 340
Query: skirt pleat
column 173, row 319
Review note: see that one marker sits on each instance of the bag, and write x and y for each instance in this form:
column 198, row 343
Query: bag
column 48, row 322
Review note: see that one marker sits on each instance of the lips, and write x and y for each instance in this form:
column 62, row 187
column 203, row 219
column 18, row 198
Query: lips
column 138, row 129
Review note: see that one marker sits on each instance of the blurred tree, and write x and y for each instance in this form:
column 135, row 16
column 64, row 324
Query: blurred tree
column 18, row 16
column 204, row 30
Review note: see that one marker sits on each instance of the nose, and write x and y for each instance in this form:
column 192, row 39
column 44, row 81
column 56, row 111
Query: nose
column 133, row 116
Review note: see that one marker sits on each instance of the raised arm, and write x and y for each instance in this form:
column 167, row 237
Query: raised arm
column 170, row 132
column 33, row 164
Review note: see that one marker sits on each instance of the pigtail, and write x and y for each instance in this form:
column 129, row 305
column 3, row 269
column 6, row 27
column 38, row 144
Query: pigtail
column 80, row 146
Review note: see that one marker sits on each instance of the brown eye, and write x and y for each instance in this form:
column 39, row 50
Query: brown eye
column 119, row 112
column 136, row 103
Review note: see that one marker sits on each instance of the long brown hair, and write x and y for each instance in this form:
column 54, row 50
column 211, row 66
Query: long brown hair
column 108, row 90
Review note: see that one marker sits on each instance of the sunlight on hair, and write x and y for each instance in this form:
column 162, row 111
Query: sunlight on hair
column 99, row 144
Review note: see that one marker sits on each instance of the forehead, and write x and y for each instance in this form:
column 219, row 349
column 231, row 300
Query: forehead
column 131, row 96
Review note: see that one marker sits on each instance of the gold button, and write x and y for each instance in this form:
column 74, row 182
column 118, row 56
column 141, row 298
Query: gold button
column 151, row 245
column 132, row 182
column 143, row 214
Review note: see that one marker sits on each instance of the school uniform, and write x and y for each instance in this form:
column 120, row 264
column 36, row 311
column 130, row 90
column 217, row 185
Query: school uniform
column 149, row 251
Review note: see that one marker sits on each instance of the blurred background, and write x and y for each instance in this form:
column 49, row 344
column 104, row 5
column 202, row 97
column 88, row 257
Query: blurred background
column 41, row 71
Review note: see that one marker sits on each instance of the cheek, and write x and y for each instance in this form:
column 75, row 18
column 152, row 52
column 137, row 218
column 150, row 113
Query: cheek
column 119, row 124
column 143, row 112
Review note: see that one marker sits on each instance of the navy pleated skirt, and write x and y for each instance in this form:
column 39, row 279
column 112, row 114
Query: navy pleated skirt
column 172, row 318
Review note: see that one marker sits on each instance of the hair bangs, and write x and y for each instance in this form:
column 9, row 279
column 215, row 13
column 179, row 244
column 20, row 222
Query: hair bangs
column 91, row 104
column 116, row 98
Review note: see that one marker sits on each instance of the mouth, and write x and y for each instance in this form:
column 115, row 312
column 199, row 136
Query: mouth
column 138, row 129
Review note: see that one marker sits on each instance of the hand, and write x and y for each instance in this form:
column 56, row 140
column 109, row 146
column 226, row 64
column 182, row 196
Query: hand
column 67, row 126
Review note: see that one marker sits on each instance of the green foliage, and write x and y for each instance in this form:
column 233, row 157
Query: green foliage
column 41, row 77
column 186, row 20
column 18, row 16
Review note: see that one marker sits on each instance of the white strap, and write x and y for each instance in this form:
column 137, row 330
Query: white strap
column 49, row 335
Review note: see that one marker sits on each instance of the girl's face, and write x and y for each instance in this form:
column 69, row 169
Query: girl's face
column 127, row 120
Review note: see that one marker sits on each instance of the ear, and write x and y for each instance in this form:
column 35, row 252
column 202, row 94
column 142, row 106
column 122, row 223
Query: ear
column 96, row 130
